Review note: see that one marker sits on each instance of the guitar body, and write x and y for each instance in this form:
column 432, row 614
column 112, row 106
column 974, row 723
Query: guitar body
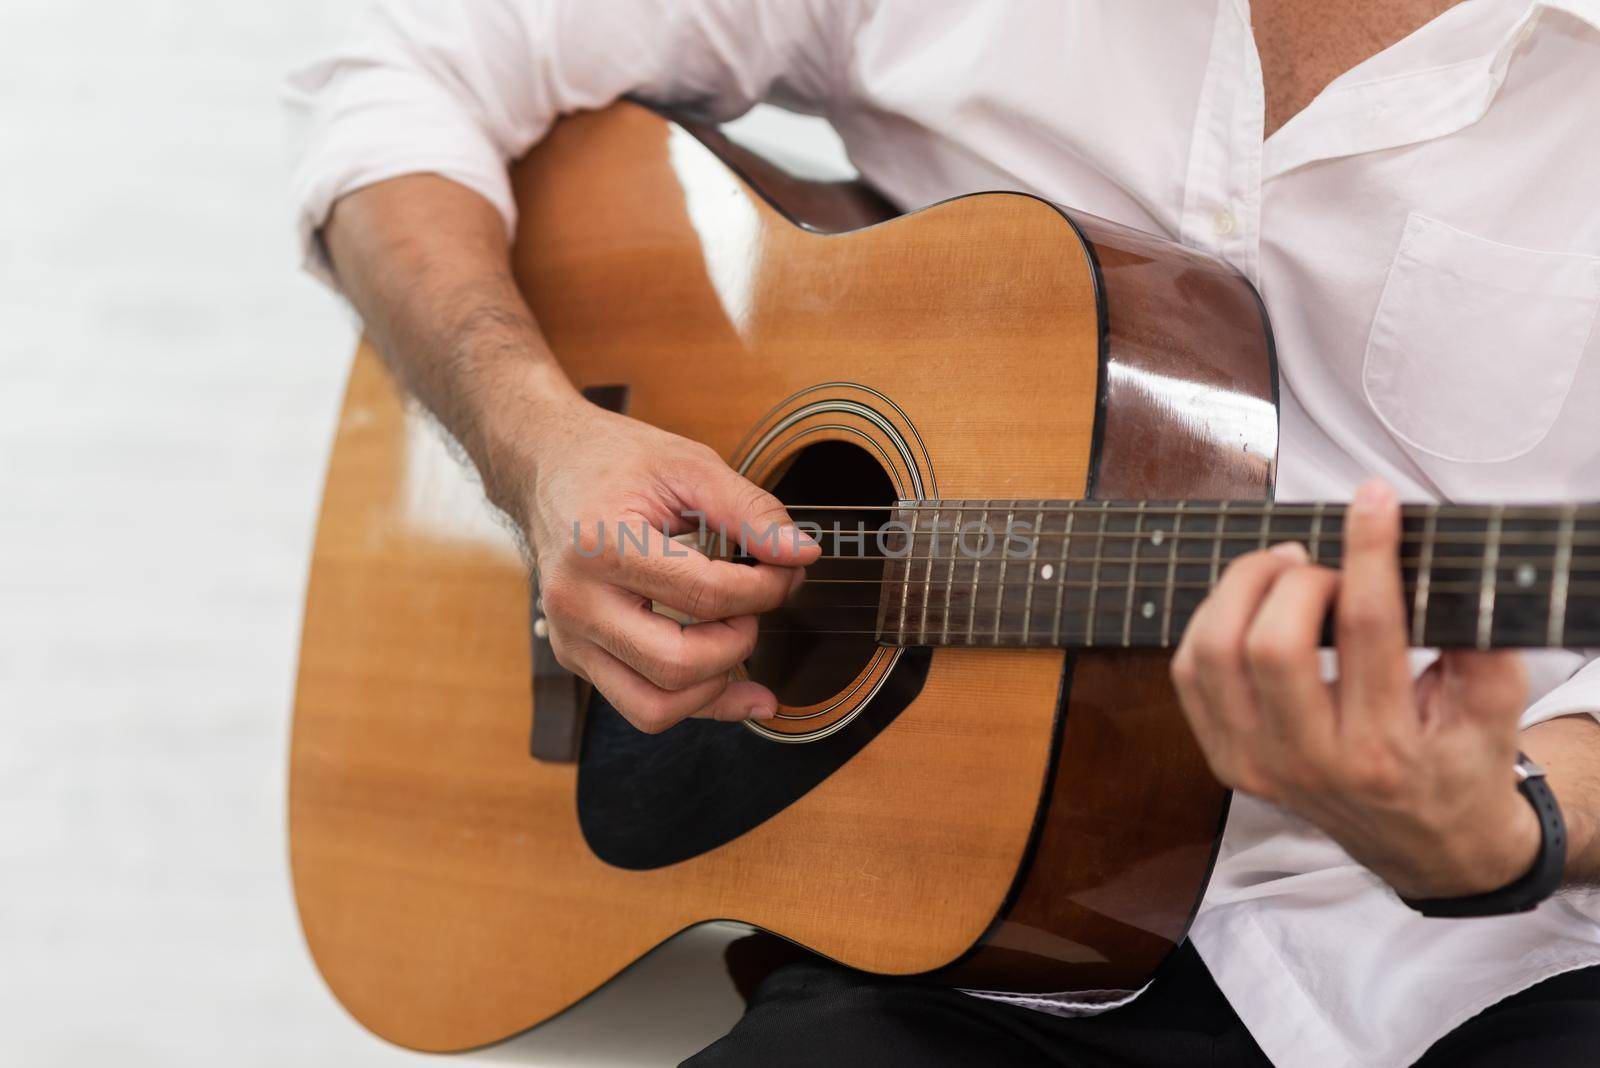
column 1016, row 819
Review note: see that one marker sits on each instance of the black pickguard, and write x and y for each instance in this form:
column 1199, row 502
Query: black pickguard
column 649, row 800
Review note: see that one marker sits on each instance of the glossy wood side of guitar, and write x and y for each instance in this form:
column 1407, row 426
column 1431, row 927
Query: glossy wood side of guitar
column 1188, row 397
column 444, row 885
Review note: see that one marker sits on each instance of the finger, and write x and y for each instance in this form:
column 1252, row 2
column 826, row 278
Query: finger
column 1489, row 688
column 1370, row 623
column 740, row 701
column 651, row 565
column 751, row 518
column 1217, row 633
column 652, row 709
column 670, row 655
column 1281, row 653
column 1209, row 733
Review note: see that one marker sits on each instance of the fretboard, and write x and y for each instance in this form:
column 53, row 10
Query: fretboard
column 1126, row 574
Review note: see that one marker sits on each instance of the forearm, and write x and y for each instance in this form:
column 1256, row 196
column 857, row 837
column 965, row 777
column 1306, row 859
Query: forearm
column 1568, row 748
column 426, row 263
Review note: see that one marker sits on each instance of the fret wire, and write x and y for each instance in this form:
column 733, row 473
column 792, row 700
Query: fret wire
column 1061, row 579
column 1033, row 568
column 1000, row 602
column 1487, row 583
column 972, row 609
column 951, row 581
column 1094, row 571
column 927, row 577
column 1560, row 575
column 1316, row 533
column 1419, row 610
column 1172, row 576
column 972, row 603
column 1133, row 579
column 905, row 592
column 1216, row 546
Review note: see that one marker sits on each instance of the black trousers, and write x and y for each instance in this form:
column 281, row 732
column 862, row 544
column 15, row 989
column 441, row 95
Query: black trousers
column 820, row 1015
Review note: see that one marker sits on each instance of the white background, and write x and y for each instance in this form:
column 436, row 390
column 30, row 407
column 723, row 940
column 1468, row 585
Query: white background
column 168, row 387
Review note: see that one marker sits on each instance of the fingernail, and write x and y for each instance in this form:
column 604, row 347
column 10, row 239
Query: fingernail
column 1374, row 495
column 1290, row 550
column 761, row 712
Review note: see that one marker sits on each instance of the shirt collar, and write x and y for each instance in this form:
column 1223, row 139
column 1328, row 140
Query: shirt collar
column 1410, row 107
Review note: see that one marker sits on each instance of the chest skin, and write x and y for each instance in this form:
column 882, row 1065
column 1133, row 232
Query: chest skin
column 1305, row 44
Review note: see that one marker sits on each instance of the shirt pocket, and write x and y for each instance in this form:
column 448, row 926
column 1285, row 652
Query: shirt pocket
column 1475, row 343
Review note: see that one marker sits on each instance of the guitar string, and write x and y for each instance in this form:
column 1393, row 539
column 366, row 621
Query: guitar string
column 1509, row 537
column 974, row 612
column 1233, row 509
column 1079, row 626
column 1460, row 563
column 1123, row 584
column 1075, row 639
column 1051, row 540
column 1118, row 583
column 1534, row 539
column 971, row 609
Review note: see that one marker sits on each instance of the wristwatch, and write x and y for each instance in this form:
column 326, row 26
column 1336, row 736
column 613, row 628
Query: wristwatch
column 1542, row 879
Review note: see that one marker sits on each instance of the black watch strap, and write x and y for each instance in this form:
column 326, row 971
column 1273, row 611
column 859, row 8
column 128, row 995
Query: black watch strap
column 1541, row 880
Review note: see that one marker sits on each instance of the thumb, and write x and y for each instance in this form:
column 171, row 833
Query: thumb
column 755, row 522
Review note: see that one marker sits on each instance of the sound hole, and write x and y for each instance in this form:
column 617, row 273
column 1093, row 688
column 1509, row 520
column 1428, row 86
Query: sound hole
column 812, row 648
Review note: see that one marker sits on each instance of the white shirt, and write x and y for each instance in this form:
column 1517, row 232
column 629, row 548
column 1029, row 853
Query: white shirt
column 1426, row 235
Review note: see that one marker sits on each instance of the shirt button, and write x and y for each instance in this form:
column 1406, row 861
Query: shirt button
column 1222, row 222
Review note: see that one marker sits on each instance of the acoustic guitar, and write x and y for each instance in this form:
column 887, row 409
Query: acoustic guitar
column 979, row 773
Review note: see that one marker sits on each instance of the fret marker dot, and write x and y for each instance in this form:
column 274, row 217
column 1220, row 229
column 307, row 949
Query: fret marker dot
column 1157, row 537
column 1046, row 571
column 1147, row 609
column 1526, row 573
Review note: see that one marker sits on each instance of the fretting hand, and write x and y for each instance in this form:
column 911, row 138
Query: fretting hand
column 1412, row 777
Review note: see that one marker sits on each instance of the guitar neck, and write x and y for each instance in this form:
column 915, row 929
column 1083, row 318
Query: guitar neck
column 1130, row 574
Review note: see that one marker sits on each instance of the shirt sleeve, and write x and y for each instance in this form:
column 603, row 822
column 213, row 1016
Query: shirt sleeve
column 1578, row 690
column 459, row 88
